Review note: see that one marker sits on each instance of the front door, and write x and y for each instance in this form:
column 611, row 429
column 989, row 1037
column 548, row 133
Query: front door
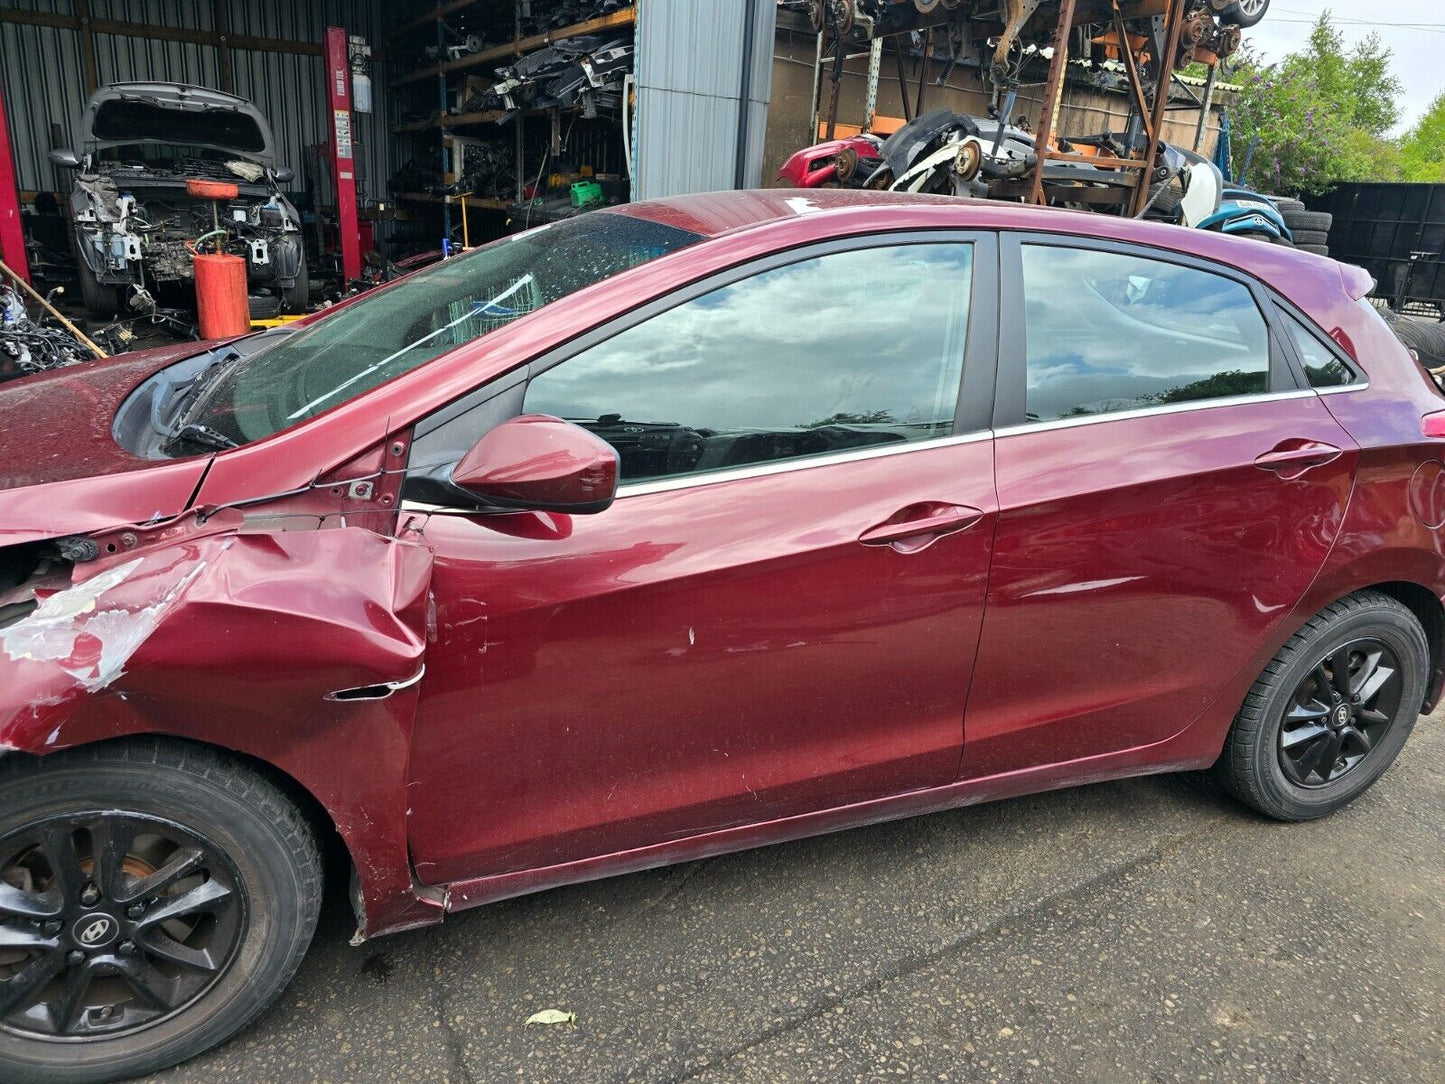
column 1168, row 492
column 780, row 611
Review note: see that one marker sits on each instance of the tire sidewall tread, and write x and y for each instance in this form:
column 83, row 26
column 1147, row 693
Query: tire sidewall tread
column 264, row 834
column 1249, row 763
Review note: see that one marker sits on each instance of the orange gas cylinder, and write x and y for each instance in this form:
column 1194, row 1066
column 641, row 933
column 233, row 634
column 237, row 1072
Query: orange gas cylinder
column 221, row 296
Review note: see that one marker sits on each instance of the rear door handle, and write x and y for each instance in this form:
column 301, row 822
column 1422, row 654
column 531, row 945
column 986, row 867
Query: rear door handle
column 1291, row 458
column 918, row 526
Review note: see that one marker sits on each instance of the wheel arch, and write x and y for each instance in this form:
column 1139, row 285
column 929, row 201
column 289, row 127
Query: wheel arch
column 319, row 817
column 1430, row 612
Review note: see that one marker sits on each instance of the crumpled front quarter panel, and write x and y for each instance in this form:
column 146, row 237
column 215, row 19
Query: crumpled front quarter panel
column 239, row 640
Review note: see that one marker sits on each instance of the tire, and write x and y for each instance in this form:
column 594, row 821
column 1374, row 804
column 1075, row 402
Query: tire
column 1318, row 250
column 1311, row 237
column 1245, row 13
column 297, row 297
column 263, row 306
column 262, row 870
column 1285, row 205
column 1320, row 221
column 1263, row 236
column 1427, row 340
column 102, row 302
column 1252, row 766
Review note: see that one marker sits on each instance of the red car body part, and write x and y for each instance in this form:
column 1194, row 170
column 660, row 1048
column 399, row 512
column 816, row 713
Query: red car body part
column 488, row 703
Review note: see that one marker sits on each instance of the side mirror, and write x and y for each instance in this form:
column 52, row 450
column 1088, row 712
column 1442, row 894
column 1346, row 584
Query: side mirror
column 65, row 158
column 284, row 174
column 541, row 464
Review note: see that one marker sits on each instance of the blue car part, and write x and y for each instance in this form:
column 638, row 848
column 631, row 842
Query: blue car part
column 1242, row 211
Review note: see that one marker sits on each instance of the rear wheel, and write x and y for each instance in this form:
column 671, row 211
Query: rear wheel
column 153, row 899
column 1330, row 712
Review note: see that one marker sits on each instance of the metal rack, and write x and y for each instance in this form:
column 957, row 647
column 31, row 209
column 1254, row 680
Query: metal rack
column 448, row 124
column 1149, row 98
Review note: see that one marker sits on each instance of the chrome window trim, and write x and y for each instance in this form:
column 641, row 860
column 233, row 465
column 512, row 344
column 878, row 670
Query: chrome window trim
column 1147, row 412
column 1342, row 389
column 784, row 466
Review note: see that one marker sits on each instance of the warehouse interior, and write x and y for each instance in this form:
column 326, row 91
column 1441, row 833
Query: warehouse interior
column 398, row 134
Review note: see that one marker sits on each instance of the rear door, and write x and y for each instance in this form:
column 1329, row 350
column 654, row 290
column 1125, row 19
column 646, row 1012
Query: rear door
column 779, row 613
column 1168, row 489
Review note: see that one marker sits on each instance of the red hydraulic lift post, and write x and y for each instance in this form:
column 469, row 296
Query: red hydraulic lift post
column 348, row 230
column 12, row 233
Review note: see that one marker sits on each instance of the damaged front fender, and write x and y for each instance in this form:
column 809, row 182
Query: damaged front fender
column 248, row 641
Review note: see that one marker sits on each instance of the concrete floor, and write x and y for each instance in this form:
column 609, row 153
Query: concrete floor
column 1151, row 930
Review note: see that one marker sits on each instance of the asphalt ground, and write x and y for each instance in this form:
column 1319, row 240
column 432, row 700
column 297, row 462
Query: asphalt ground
column 1149, row 930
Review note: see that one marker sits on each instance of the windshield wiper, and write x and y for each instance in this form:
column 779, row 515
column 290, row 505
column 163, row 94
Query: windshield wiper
column 196, row 433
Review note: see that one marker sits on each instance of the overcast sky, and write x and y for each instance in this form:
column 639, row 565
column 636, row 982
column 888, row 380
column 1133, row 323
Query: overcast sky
column 1413, row 29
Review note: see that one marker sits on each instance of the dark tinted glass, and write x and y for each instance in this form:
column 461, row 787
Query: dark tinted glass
column 1109, row 332
column 1321, row 366
column 851, row 350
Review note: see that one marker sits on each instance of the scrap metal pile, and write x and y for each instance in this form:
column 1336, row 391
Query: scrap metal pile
column 1132, row 171
column 29, row 347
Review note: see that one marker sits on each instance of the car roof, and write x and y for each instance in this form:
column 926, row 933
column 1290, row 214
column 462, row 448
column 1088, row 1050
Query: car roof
column 719, row 214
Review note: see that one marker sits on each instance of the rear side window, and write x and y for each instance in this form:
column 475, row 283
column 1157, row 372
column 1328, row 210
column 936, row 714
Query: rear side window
column 850, row 350
column 1109, row 332
column 1322, row 367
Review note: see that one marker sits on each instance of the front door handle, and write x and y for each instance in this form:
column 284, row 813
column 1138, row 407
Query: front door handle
column 918, row 526
column 1291, row 458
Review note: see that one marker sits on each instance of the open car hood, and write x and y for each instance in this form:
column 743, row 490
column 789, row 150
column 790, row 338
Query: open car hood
column 128, row 113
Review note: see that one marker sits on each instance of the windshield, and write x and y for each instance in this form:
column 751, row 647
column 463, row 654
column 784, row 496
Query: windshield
column 408, row 324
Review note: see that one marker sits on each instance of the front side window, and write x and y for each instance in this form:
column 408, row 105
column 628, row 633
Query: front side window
column 851, row 350
column 1109, row 332
column 1322, row 368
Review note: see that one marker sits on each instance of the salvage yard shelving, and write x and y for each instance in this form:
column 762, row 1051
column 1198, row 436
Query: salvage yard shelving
column 517, row 47
column 504, row 151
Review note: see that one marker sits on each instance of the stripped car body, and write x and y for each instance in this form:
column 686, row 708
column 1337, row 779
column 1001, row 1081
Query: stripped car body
column 131, row 213
column 278, row 599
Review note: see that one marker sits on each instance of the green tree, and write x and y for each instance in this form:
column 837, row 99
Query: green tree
column 1319, row 116
column 1422, row 150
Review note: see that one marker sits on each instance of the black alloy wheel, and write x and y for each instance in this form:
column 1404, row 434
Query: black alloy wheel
column 1340, row 713
column 1331, row 711
column 111, row 922
column 155, row 896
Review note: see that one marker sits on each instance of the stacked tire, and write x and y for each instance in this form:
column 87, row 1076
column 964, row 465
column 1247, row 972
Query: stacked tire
column 1426, row 339
column 1311, row 229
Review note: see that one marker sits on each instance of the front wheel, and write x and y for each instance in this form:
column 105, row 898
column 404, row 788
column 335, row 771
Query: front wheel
column 153, row 899
column 296, row 298
column 1330, row 712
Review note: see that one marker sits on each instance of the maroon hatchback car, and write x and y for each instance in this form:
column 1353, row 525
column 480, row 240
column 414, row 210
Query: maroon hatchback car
column 669, row 530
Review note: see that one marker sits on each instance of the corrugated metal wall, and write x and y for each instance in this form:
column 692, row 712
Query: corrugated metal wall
column 44, row 78
column 690, row 61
